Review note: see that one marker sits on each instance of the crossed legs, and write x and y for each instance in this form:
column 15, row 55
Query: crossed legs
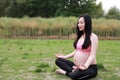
column 67, row 67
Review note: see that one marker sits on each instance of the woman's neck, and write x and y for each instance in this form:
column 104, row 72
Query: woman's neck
column 84, row 35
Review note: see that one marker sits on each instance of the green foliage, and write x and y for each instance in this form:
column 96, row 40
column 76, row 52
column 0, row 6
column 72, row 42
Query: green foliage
column 49, row 8
column 43, row 8
column 16, row 9
column 78, row 7
column 4, row 5
column 113, row 13
column 12, row 8
column 98, row 11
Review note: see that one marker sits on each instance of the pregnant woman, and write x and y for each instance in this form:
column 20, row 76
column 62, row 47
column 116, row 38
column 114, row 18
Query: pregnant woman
column 84, row 64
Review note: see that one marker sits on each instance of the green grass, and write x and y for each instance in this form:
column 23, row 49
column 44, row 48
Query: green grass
column 33, row 59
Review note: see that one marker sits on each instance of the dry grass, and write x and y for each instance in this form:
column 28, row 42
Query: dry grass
column 59, row 26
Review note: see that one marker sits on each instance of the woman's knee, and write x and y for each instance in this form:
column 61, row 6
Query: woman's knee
column 58, row 60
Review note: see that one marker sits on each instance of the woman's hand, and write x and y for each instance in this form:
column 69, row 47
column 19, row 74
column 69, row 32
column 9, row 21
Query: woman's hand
column 82, row 67
column 74, row 68
column 59, row 56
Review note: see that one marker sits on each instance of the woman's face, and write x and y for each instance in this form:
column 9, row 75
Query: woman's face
column 81, row 24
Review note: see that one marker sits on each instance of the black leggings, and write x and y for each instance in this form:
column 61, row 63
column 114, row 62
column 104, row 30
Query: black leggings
column 77, row 74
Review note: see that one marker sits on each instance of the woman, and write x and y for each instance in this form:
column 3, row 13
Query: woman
column 84, row 65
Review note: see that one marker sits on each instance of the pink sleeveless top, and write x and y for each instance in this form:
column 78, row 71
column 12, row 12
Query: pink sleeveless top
column 79, row 46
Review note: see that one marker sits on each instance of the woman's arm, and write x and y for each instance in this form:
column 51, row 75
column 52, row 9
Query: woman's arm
column 70, row 55
column 67, row 56
column 94, row 45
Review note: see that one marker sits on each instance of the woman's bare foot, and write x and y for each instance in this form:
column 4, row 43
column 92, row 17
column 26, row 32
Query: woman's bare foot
column 60, row 71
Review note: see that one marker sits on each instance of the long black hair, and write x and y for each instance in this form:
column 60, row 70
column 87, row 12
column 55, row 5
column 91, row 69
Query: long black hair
column 87, row 30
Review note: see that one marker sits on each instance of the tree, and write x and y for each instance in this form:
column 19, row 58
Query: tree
column 113, row 13
column 52, row 8
column 12, row 8
column 4, row 4
column 43, row 8
column 16, row 9
column 78, row 7
column 49, row 8
column 99, row 12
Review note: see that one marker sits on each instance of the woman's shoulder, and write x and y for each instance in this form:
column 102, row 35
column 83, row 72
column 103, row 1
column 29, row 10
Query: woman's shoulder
column 94, row 36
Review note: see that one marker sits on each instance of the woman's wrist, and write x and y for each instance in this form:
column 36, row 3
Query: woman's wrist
column 82, row 67
column 65, row 57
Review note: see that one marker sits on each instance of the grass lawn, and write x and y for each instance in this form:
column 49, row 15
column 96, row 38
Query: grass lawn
column 33, row 59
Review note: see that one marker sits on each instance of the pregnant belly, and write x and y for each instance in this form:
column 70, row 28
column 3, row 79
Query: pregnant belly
column 80, row 58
